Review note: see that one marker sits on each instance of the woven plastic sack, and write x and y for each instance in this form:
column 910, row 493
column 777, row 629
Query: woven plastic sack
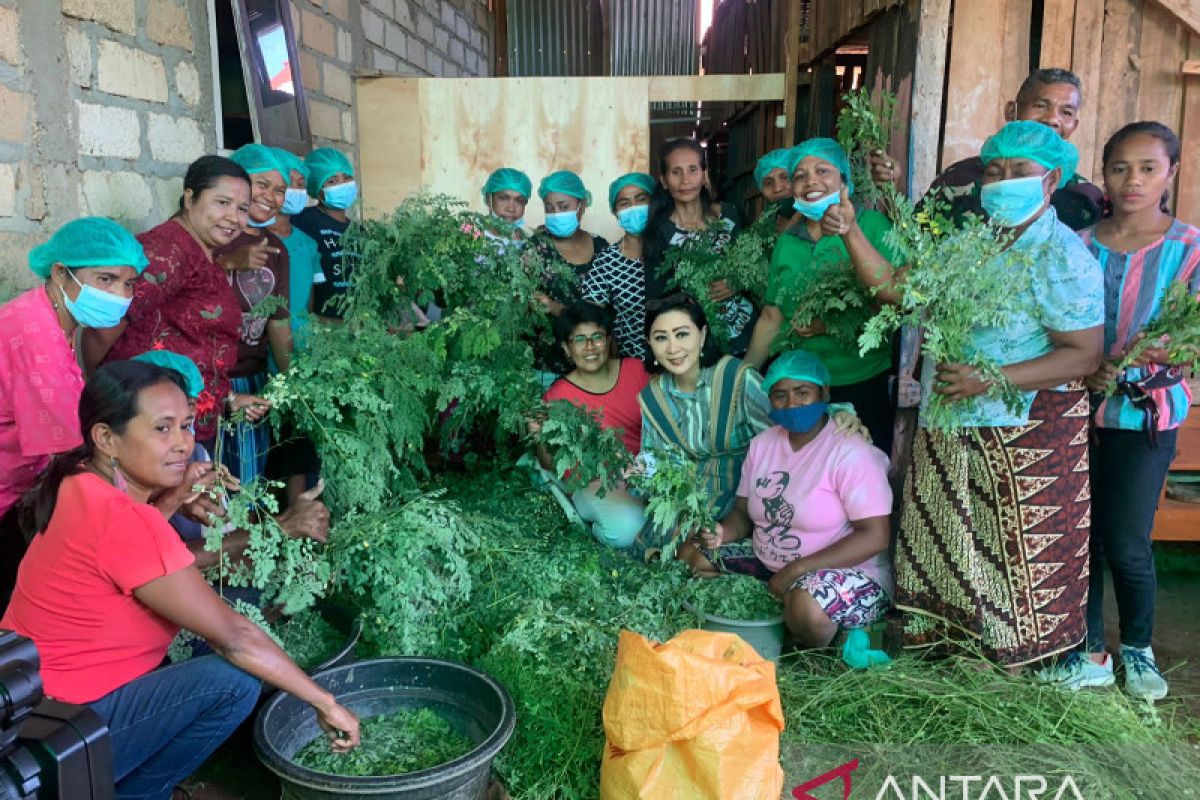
column 697, row 717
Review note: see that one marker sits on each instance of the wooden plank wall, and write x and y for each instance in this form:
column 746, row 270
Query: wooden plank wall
column 831, row 21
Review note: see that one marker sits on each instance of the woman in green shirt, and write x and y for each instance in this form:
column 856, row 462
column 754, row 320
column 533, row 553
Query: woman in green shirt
column 819, row 170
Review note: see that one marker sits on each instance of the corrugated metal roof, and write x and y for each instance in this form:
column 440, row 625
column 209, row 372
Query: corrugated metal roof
column 552, row 37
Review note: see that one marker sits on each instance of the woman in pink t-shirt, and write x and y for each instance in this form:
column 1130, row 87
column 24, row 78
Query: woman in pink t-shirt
column 811, row 515
column 610, row 387
column 106, row 585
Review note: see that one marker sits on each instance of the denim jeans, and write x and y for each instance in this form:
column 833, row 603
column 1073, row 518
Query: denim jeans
column 166, row 723
column 1127, row 477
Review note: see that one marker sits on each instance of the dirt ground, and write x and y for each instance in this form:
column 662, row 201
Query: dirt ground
column 234, row 773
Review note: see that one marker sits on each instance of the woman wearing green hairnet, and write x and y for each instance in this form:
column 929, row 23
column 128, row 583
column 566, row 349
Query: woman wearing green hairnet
column 331, row 182
column 820, row 170
column 265, row 279
column 506, row 193
column 995, row 514
column 618, row 276
column 304, row 262
column 773, row 181
column 565, row 200
column 87, row 271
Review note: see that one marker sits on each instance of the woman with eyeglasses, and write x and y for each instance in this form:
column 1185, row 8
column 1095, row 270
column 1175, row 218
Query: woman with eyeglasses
column 609, row 386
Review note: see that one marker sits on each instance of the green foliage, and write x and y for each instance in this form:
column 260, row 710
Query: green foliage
column 744, row 263
column 409, row 740
column 309, row 638
column 404, row 569
column 1179, row 320
column 740, row 597
column 862, row 126
column 676, row 497
column 266, row 307
column 834, row 295
column 582, row 450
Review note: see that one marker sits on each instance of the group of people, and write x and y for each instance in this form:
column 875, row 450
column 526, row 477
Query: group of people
column 1000, row 522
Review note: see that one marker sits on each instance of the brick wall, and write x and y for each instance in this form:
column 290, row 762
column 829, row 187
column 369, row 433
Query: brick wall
column 441, row 38
column 325, row 39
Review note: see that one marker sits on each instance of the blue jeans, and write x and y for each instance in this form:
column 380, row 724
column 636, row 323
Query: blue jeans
column 1127, row 477
column 166, row 723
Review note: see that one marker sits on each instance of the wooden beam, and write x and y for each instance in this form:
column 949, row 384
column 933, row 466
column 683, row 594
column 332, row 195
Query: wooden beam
column 716, row 88
column 791, row 70
column 928, row 90
column 1191, row 67
column 1187, row 199
column 1087, row 48
column 1058, row 34
column 1188, row 11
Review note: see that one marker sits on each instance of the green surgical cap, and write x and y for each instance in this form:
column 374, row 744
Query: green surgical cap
column 1035, row 141
column 507, row 179
column 88, row 242
column 564, row 182
column 255, row 158
column 776, row 159
column 797, row 365
column 323, row 163
column 181, row 364
column 639, row 179
column 826, row 150
column 291, row 162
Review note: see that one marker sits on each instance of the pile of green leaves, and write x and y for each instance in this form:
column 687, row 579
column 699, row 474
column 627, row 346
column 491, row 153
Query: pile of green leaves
column 676, row 497
column 393, row 744
column 309, row 638
column 1179, row 320
column 740, row 597
column 582, row 450
column 743, row 262
column 834, row 295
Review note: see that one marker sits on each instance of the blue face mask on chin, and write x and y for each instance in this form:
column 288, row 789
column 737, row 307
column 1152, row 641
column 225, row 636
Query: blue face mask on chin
column 295, row 201
column 94, row 308
column 1013, row 202
column 266, row 224
column 341, row 196
column 563, row 223
column 816, row 209
column 799, row 419
column 634, row 218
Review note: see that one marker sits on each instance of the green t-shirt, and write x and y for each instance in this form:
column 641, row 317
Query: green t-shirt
column 796, row 259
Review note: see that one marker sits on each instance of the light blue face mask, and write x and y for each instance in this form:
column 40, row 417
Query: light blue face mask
column 1013, row 202
column 341, row 196
column 816, row 209
column 94, row 308
column 798, row 419
column 294, row 202
column 266, row 224
column 563, row 223
column 634, row 218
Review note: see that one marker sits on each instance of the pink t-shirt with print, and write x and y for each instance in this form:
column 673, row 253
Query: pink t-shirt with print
column 40, row 385
column 802, row 501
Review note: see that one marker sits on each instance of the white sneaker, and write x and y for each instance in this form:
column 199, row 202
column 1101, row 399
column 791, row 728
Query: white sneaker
column 1143, row 679
column 1078, row 671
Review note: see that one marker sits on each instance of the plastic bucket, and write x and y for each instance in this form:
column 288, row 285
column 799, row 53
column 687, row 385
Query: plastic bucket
column 473, row 703
column 764, row 635
column 345, row 621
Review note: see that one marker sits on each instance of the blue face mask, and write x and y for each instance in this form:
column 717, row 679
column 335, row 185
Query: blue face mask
column 266, row 224
column 816, row 209
column 94, row 308
column 798, row 419
column 1013, row 202
column 294, row 202
column 563, row 223
column 634, row 218
column 341, row 196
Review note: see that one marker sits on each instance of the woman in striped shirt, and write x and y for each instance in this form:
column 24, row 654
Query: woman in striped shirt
column 1143, row 250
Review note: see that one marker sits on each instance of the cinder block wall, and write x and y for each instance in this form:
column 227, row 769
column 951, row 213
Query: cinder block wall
column 440, row 38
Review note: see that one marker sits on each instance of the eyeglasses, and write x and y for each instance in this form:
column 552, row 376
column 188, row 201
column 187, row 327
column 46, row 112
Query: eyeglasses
column 595, row 338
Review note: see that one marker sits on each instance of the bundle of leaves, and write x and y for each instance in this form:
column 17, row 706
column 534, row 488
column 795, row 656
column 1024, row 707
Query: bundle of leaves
column 957, row 280
column 744, row 263
column 409, row 740
column 1179, row 320
column 864, row 125
column 291, row 573
column 364, row 396
column 740, row 597
column 835, row 296
column 677, row 499
column 582, row 450
column 406, row 570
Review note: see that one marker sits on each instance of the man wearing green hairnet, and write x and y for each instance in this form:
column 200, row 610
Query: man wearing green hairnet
column 772, row 179
column 331, row 182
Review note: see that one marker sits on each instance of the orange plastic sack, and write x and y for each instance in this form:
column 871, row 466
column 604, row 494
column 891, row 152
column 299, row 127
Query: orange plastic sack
column 697, row 718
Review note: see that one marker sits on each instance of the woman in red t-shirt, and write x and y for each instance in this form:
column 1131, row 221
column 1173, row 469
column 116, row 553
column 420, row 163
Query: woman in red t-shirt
column 106, row 584
column 609, row 386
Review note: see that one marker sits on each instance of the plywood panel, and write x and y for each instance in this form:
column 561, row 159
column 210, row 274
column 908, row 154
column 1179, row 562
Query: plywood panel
column 391, row 165
column 1058, row 34
column 1086, row 49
